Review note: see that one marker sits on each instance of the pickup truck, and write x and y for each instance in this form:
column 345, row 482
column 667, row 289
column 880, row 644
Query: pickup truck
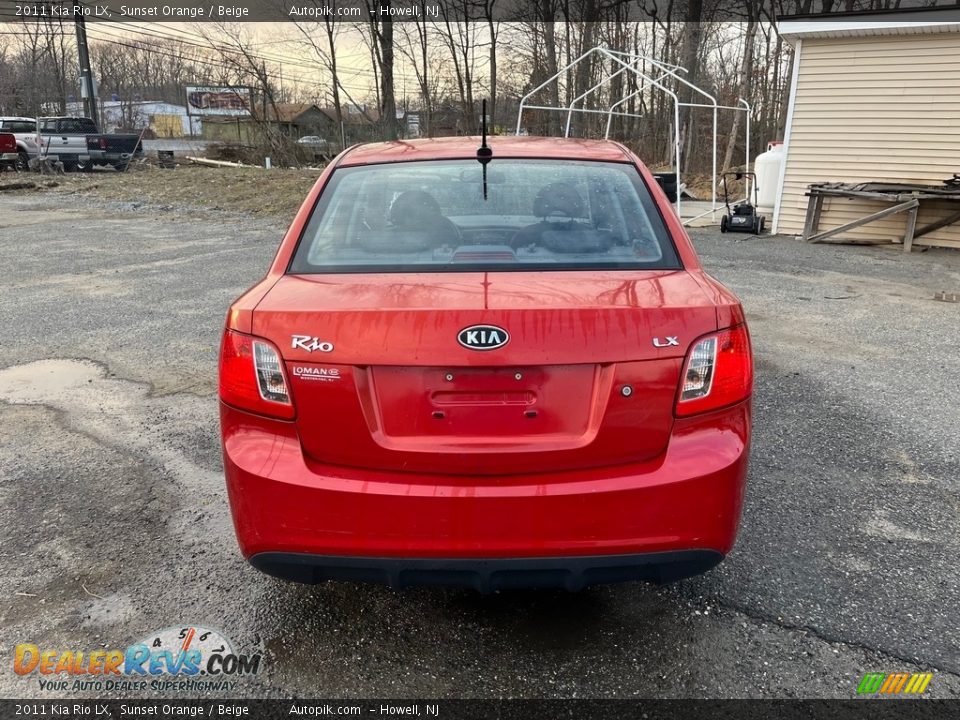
column 8, row 150
column 24, row 131
column 79, row 145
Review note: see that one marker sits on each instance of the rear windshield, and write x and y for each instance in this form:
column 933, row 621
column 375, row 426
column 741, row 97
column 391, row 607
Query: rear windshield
column 69, row 125
column 440, row 215
column 18, row 126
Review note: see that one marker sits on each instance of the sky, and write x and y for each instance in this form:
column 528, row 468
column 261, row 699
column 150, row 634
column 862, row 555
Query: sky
column 283, row 44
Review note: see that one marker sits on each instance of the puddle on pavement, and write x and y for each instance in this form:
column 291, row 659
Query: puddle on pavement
column 20, row 217
column 123, row 415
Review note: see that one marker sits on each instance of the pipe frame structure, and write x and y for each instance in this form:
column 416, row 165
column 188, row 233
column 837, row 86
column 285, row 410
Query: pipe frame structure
column 631, row 63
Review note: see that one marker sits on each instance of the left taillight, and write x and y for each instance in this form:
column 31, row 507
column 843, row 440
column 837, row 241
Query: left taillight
column 252, row 376
column 718, row 372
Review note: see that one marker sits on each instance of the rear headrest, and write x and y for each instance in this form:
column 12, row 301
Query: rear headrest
column 560, row 197
column 413, row 209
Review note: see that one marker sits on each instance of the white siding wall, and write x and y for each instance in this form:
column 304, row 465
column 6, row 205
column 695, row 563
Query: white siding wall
column 874, row 108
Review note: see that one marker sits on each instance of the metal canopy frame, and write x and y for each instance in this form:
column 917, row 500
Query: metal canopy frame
column 635, row 65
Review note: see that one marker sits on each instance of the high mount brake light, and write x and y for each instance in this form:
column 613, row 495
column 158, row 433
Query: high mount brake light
column 252, row 376
column 718, row 372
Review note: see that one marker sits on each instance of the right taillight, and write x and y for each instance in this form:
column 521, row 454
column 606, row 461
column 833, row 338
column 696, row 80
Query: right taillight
column 252, row 376
column 718, row 372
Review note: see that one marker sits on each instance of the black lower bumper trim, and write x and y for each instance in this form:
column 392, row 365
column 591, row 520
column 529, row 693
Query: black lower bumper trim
column 489, row 575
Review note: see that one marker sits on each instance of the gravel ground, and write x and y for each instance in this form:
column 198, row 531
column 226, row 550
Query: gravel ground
column 114, row 520
column 193, row 189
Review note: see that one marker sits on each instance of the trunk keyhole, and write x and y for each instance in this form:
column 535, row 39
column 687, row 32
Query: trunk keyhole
column 439, row 414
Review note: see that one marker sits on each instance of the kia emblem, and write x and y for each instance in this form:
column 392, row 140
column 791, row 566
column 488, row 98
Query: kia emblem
column 483, row 337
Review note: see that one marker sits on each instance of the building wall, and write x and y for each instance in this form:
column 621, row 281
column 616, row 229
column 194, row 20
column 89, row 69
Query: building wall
column 315, row 122
column 881, row 108
column 168, row 125
column 232, row 130
column 165, row 119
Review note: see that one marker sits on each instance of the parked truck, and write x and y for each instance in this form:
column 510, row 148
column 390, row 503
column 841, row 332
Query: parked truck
column 24, row 131
column 79, row 145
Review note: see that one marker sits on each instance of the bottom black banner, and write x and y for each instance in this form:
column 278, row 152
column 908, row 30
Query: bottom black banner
column 866, row 709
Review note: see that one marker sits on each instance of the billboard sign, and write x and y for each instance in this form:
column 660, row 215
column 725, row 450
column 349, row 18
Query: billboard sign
column 218, row 100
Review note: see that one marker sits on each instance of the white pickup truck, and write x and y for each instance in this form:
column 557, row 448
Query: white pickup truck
column 79, row 145
column 25, row 132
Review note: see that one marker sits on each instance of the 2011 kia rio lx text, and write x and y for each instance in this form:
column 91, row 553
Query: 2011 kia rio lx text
column 499, row 368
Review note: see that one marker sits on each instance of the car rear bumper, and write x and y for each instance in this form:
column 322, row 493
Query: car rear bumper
column 663, row 519
column 489, row 574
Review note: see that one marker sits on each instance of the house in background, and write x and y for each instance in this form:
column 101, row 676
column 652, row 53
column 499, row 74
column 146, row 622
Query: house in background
column 875, row 97
column 294, row 120
column 297, row 120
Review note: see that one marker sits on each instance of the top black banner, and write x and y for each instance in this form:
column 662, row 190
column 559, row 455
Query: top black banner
column 320, row 11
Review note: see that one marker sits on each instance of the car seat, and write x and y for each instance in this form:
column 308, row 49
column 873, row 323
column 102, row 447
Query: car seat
column 559, row 206
column 416, row 223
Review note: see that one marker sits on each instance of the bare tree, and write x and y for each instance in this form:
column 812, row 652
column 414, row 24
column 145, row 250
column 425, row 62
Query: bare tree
column 459, row 34
column 380, row 37
column 39, row 75
column 493, row 33
column 326, row 51
column 745, row 89
column 452, row 63
column 416, row 38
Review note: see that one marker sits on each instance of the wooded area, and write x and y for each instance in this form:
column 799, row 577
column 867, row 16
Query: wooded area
column 441, row 67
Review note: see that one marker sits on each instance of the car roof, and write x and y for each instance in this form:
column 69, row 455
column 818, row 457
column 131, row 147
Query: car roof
column 14, row 117
column 512, row 146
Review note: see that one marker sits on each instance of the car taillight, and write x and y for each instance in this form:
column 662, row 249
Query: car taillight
column 718, row 372
column 252, row 376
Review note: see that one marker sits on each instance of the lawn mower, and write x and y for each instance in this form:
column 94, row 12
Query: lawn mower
column 743, row 216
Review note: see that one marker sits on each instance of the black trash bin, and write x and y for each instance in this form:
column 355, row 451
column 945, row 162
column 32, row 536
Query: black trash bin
column 668, row 181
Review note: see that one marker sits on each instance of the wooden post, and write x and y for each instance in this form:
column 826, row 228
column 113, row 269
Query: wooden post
column 911, row 226
column 814, row 210
column 817, row 211
column 808, row 218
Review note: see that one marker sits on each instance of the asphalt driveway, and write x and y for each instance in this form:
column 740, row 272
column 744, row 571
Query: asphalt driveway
column 114, row 523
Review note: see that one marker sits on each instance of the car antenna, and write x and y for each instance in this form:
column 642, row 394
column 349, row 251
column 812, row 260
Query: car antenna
column 484, row 152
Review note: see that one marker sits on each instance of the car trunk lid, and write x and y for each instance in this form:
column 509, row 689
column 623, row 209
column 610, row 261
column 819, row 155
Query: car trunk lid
column 587, row 378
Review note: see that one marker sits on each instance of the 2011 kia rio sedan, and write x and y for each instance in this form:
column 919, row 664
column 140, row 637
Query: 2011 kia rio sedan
column 491, row 371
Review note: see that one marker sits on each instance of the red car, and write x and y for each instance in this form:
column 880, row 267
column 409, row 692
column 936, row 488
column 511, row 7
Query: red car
column 491, row 371
column 8, row 150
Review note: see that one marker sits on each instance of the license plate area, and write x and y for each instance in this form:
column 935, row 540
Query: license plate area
column 484, row 405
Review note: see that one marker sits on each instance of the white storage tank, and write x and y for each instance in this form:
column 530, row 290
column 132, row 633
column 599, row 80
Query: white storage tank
column 767, row 166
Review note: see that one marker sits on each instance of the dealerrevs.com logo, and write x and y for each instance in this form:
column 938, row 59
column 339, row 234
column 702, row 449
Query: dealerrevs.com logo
column 190, row 658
